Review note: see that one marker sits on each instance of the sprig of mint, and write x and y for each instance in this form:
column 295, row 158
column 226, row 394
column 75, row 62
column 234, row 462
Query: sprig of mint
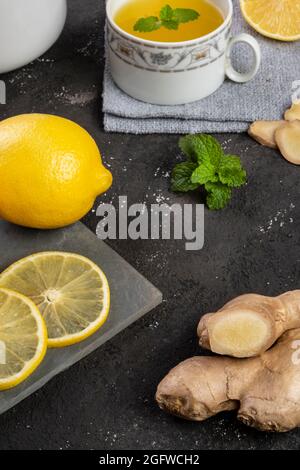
column 168, row 18
column 208, row 166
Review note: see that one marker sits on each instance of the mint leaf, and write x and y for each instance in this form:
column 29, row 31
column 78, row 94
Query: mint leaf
column 168, row 18
column 188, row 146
column 218, row 196
column 171, row 24
column 231, row 171
column 201, row 148
column 208, row 166
column 146, row 25
column 184, row 15
column 208, row 150
column 166, row 13
column 181, row 177
column 203, row 174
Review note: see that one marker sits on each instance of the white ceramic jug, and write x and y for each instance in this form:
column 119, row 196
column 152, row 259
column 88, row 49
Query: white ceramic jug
column 27, row 29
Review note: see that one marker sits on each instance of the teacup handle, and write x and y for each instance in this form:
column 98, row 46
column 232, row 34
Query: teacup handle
column 234, row 74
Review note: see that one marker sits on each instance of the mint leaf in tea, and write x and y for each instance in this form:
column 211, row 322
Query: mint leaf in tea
column 184, row 15
column 168, row 18
column 157, row 21
column 147, row 25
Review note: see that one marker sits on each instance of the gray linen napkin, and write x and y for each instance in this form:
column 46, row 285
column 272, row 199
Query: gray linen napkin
column 229, row 109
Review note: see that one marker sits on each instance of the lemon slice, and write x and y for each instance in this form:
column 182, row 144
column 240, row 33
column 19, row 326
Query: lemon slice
column 23, row 338
column 277, row 19
column 71, row 292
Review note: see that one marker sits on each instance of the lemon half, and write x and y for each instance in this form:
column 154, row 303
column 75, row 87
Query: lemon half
column 71, row 292
column 277, row 19
column 23, row 338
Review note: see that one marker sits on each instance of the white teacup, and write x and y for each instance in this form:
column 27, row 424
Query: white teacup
column 170, row 73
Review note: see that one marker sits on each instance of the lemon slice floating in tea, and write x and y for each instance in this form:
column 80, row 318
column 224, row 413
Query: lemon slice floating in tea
column 277, row 19
column 71, row 292
column 23, row 338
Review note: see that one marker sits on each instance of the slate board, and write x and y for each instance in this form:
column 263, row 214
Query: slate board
column 132, row 296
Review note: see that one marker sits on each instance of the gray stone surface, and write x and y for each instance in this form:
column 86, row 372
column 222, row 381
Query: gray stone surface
column 131, row 295
column 106, row 400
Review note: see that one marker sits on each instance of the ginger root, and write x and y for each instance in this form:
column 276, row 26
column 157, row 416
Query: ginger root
column 250, row 324
column 293, row 113
column 288, row 141
column 284, row 135
column 265, row 390
column 264, row 132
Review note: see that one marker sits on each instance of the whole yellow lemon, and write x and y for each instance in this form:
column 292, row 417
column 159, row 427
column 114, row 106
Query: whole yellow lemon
column 50, row 171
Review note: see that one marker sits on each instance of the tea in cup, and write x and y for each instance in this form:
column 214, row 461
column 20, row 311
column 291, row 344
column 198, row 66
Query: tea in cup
column 176, row 52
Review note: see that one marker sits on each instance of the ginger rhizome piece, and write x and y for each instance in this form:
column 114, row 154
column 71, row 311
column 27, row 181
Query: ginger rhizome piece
column 265, row 390
column 284, row 135
column 288, row 141
column 293, row 113
column 264, row 132
column 250, row 324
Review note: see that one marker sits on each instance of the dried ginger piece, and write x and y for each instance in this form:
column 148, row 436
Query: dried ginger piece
column 293, row 113
column 287, row 138
column 264, row 132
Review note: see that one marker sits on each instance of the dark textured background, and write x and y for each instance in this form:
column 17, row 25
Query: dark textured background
column 106, row 401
